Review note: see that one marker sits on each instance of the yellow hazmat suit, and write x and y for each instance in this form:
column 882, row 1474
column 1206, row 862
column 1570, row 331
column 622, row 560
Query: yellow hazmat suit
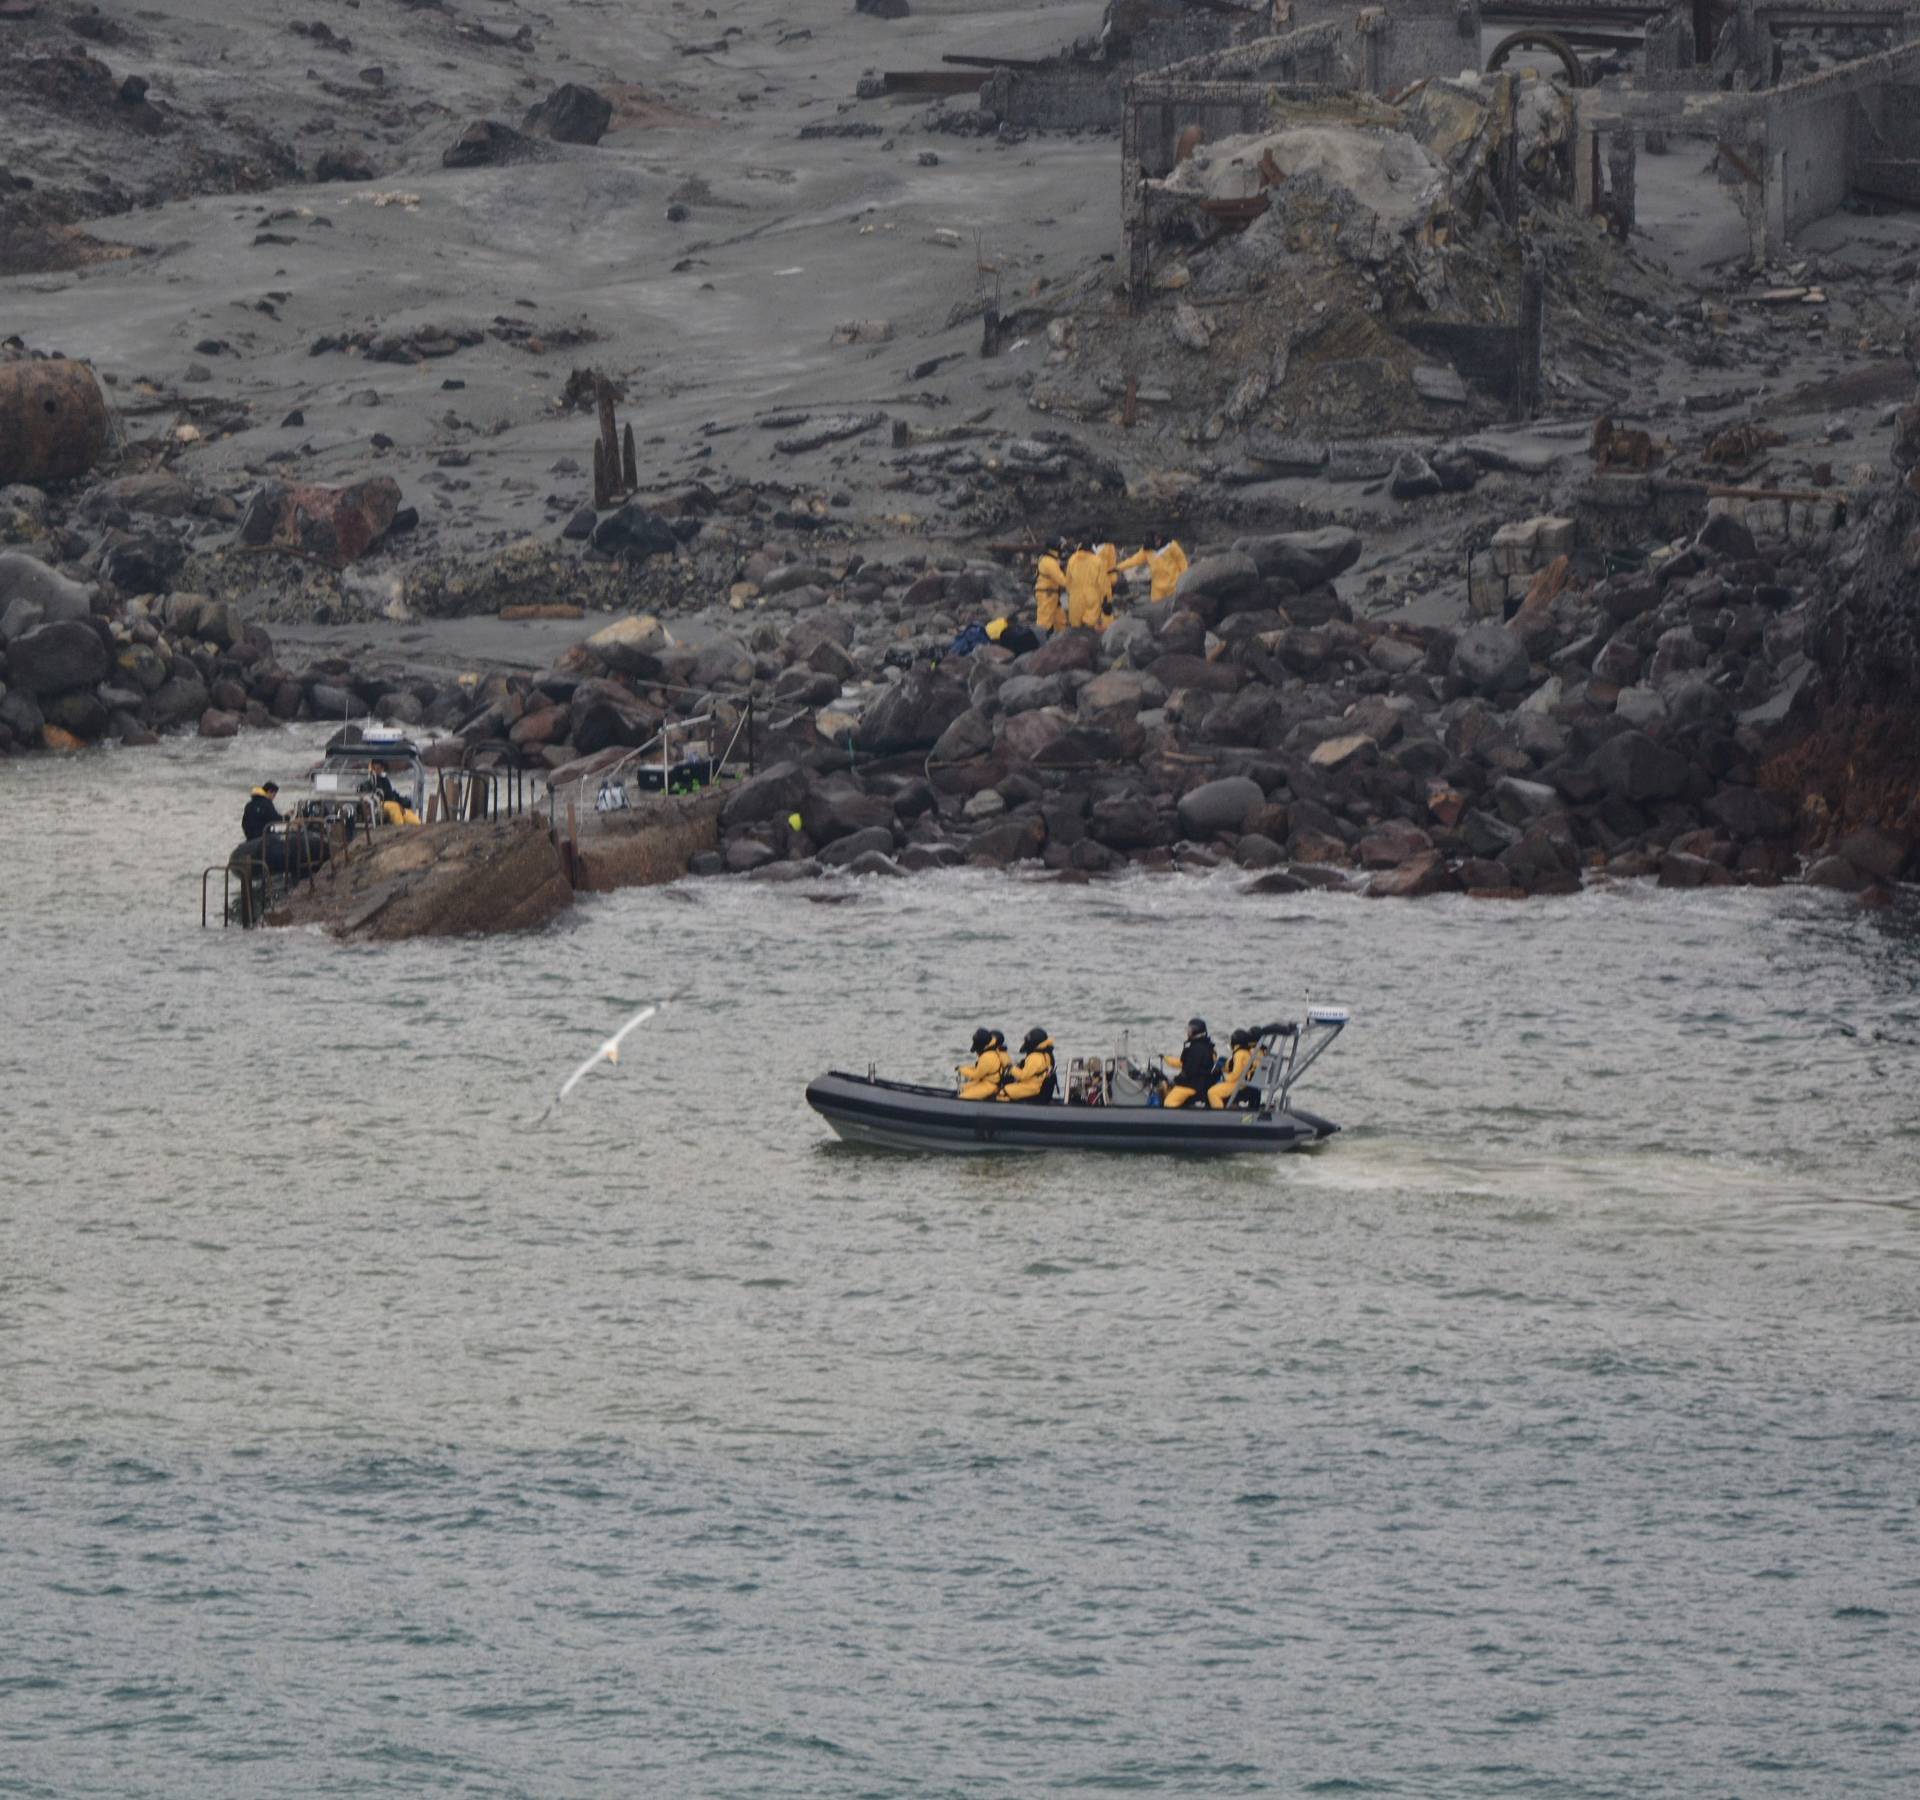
column 1090, row 589
column 981, row 1078
column 1239, row 1064
column 1031, row 1075
column 1164, row 567
column 1049, row 583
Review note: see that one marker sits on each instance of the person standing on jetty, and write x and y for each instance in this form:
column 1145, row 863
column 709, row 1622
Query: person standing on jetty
column 260, row 812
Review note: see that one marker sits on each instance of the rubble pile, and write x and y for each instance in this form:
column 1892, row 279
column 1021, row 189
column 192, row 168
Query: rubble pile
column 1303, row 277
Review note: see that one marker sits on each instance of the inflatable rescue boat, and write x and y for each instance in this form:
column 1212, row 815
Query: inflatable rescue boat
column 1108, row 1104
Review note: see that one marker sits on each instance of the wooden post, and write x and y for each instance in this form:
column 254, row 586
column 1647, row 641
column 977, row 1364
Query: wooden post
column 629, row 463
column 609, row 437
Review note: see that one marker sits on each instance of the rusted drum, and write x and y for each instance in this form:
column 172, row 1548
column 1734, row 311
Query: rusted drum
column 53, row 421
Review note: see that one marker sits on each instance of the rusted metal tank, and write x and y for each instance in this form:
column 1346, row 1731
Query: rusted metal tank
column 53, row 421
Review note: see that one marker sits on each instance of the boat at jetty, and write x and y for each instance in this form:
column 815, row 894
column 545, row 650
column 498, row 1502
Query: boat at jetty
column 1108, row 1104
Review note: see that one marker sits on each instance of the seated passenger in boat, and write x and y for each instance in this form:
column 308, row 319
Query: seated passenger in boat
column 393, row 808
column 981, row 1079
column 1228, row 1089
column 1033, row 1078
column 1197, row 1064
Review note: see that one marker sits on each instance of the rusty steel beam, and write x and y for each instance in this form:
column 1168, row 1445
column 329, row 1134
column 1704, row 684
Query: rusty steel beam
column 53, row 421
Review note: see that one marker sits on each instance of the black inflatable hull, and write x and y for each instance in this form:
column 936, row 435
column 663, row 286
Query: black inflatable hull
column 898, row 1115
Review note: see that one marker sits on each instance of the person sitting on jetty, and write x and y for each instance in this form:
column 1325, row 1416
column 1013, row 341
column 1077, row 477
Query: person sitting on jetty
column 1233, row 1077
column 981, row 1078
column 260, row 812
column 1033, row 1078
column 1197, row 1064
column 1164, row 567
column 1049, row 583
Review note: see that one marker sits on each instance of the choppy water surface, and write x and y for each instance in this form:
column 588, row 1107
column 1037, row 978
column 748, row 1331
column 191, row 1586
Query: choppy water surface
column 1551, row 1433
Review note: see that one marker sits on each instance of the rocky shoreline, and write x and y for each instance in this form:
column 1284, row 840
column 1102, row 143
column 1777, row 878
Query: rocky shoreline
column 1664, row 721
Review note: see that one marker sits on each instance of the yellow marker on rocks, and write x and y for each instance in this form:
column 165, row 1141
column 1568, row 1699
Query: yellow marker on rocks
column 793, row 819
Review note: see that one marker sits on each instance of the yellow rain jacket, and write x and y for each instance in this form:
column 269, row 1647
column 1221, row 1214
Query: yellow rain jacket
column 1239, row 1064
column 1164, row 566
column 1090, row 589
column 981, row 1079
column 1049, row 583
column 1031, row 1076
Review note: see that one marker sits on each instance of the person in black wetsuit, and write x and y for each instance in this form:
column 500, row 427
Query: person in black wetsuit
column 1196, row 1062
column 260, row 812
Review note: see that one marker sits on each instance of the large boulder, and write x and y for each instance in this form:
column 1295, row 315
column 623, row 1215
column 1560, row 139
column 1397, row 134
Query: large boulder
column 1746, row 813
column 630, row 646
column 487, row 143
column 774, row 793
column 1119, row 690
column 1218, row 806
column 970, row 735
column 1392, row 844
column 1062, row 653
column 722, row 664
column 571, row 114
column 1490, row 659
column 1213, row 580
column 911, row 714
column 27, row 578
column 1631, row 766
column 1127, row 822
column 182, row 696
column 633, row 533
column 50, row 659
column 1306, row 558
column 333, row 525
column 836, row 809
column 1030, row 736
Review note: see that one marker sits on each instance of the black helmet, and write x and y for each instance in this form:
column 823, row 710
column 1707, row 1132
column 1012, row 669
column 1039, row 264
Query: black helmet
column 1196, row 1028
column 999, row 1038
column 1033, row 1040
column 982, row 1039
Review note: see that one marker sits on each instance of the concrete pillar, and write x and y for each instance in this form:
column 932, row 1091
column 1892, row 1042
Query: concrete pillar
column 1586, row 166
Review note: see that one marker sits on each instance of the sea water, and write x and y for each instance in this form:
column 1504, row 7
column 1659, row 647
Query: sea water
column 1552, row 1431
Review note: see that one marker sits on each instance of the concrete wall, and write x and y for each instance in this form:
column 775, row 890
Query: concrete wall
column 1888, row 161
column 1796, row 150
column 1064, row 96
column 1810, row 159
column 1403, row 41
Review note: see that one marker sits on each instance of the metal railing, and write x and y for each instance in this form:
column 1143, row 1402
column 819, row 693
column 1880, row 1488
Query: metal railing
column 675, row 775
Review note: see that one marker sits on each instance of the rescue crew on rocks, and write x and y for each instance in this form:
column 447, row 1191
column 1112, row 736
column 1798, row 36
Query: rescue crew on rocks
column 1090, row 587
column 1032, row 1078
column 1234, row 1075
column 1164, row 567
column 1049, row 583
column 981, row 1079
column 260, row 812
column 1197, row 1064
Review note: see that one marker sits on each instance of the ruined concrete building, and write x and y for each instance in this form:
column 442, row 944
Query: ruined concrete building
column 1791, row 153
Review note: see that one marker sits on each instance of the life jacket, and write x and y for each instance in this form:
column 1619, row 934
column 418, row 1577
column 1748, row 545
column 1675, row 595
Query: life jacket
column 1036, row 1067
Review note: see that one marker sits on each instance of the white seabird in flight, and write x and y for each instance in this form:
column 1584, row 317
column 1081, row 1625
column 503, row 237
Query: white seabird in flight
column 608, row 1052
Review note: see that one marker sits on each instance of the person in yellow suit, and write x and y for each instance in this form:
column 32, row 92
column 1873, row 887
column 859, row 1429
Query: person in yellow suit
column 1090, row 587
column 1233, row 1076
column 981, row 1079
column 1032, row 1079
column 1049, row 583
column 1164, row 567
